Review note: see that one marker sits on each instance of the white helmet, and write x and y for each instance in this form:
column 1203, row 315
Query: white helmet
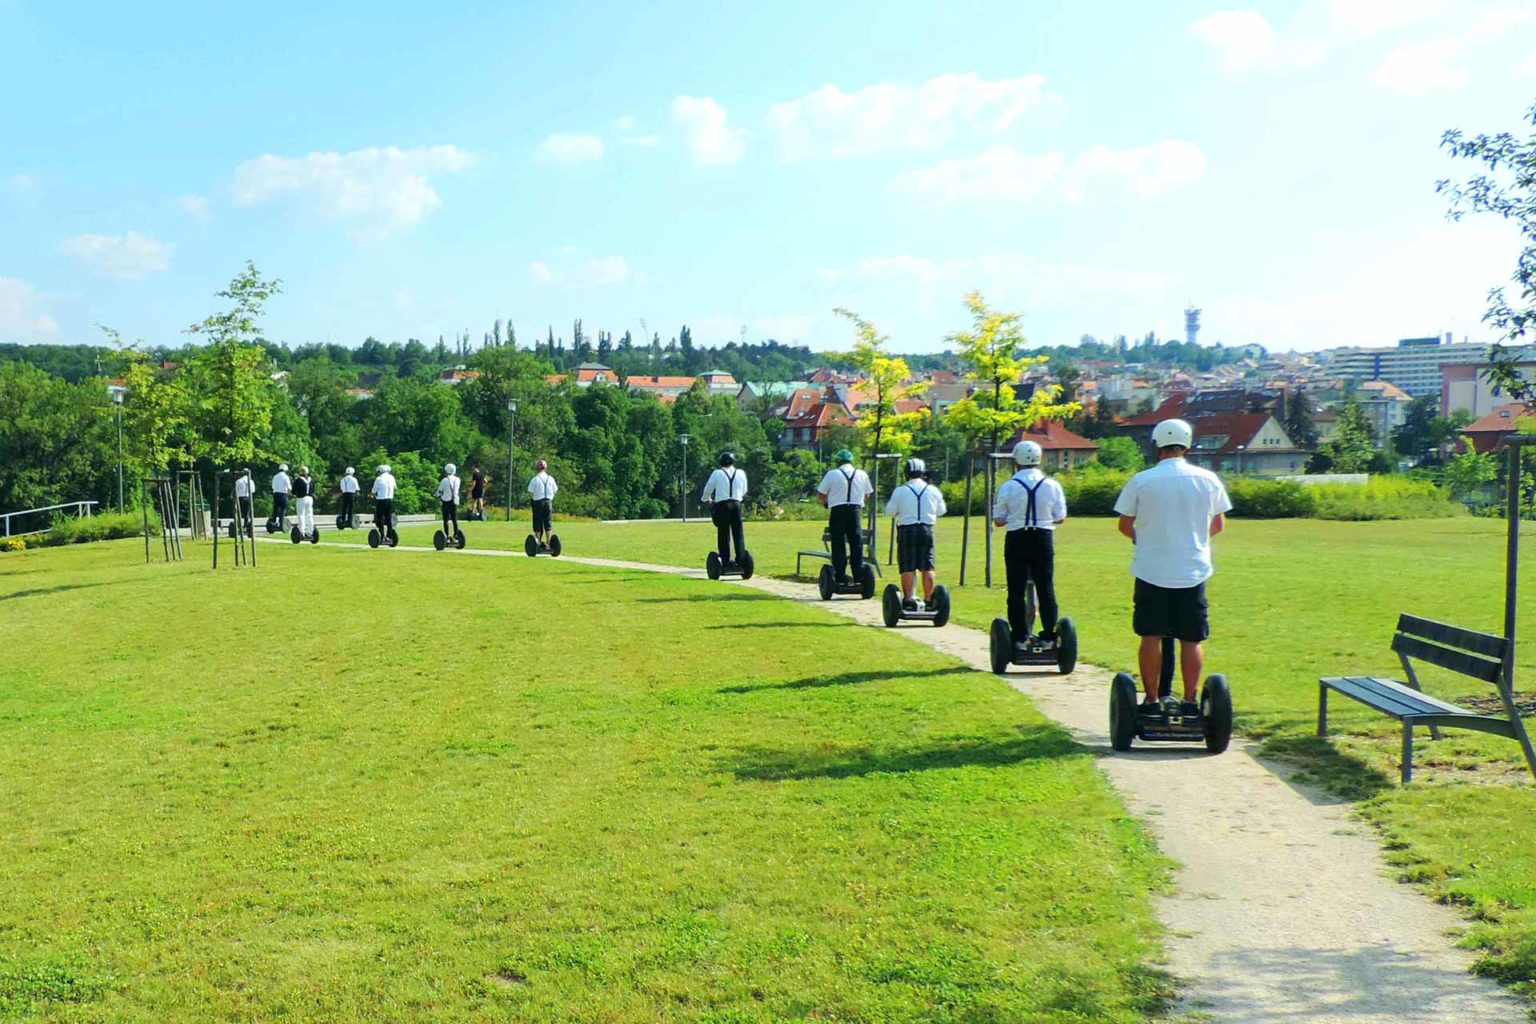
column 916, row 467
column 1027, row 453
column 303, row 471
column 450, row 469
column 282, row 467
column 1173, row 433
column 350, row 471
column 383, row 470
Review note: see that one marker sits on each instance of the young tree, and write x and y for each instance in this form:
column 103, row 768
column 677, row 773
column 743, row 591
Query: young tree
column 155, row 407
column 1466, row 474
column 882, row 426
column 1298, row 422
column 1120, row 453
column 228, row 382
column 1353, row 448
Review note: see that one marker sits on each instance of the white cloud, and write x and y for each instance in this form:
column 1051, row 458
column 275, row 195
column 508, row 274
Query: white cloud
column 790, row 328
column 592, row 273
column 375, row 189
column 20, row 319
column 565, row 148
column 1242, row 39
column 1364, row 18
column 644, row 141
column 128, row 257
column 1003, row 173
column 197, row 206
column 891, row 116
column 1444, row 64
column 711, row 140
column 21, row 184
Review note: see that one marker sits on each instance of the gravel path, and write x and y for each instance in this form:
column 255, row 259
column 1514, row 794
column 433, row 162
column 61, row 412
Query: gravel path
column 1283, row 910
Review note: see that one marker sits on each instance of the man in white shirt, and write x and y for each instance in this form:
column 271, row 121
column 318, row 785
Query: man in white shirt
column 448, row 494
column 725, row 491
column 281, row 485
column 1171, row 512
column 915, row 508
column 541, row 493
column 349, row 491
column 842, row 492
column 383, row 500
column 245, row 492
column 1031, row 505
column 304, row 498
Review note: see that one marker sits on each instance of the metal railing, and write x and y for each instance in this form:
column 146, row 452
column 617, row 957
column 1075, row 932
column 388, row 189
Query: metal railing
column 81, row 509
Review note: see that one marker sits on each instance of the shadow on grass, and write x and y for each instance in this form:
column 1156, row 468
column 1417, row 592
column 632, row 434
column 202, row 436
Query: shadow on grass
column 1319, row 765
column 758, row 764
column 708, row 597
column 61, row 588
column 848, row 679
column 785, row 625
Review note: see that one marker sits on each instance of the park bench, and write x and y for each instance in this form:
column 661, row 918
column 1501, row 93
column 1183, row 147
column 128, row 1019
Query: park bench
column 1463, row 651
column 866, row 538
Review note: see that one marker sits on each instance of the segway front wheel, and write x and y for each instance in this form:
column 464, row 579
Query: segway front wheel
column 392, row 537
column 1122, row 711
column 341, row 522
column 439, row 540
column 1216, row 713
column 233, row 529
column 1000, row 645
column 747, row 566
column 314, row 535
column 272, row 525
column 295, row 535
column 890, row 605
column 867, row 583
column 1066, row 646
column 940, row 605
column 825, row 583
column 554, row 545
column 459, row 540
column 531, row 546
column 712, row 565
column 373, row 537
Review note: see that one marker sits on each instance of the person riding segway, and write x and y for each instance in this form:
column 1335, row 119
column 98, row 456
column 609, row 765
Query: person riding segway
column 383, row 492
column 1031, row 506
column 915, row 508
column 541, row 499
column 347, row 520
column 477, row 493
column 1170, row 513
column 842, row 492
column 304, row 499
column 281, row 485
column 448, row 494
column 725, row 490
column 245, row 494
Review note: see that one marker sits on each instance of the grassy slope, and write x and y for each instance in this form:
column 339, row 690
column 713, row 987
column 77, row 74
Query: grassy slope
column 395, row 786
column 1292, row 600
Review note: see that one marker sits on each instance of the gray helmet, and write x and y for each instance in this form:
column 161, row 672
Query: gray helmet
column 915, row 468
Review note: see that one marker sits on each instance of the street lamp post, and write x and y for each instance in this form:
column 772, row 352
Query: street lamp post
column 117, row 400
column 511, row 427
column 682, row 488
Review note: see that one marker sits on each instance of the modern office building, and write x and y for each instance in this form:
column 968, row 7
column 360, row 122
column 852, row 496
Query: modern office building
column 1413, row 364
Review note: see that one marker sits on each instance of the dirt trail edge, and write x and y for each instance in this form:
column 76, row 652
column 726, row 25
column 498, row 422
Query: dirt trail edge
column 1283, row 909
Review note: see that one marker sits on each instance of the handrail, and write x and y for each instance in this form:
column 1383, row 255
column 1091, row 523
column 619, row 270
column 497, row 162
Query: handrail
column 82, row 509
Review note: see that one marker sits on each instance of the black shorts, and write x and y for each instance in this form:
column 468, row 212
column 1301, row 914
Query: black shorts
column 914, row 547
column 543, row 514
column 1180, row 612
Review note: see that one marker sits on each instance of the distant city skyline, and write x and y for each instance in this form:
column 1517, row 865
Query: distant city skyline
column 411, row 172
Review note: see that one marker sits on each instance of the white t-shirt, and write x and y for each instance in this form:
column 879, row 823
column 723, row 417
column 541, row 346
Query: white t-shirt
column 543, row 487
column 1012, row 501
column 1173, row 504
column 281, row 484
column 915, row 501
column 384, row 487
column 845, row 485
column 448, row 489
column 727, row 483
column 349, row 485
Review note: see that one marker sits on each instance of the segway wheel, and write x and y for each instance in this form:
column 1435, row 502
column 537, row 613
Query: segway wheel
column 341, row 522
column 439, row 539
column 747, row 566
column 1216, row 713
column 1122, row 711
column 712, row 565
column 940, row 605
column 392, row 537
column 373, row 537
column 867, row 584
column 825, row 582
column 1000, row 646
column 314, row 535
column 272, row 525
column 459, row 540
column 554, row 545
column 531, row 546
column 1066, row 646
column 233, row 529
column 294, row 535
column 890, row 605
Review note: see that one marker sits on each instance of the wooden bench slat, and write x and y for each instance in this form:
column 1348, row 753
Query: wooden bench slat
column 1402, row 698
column 1485, row 644
column 1457, row 661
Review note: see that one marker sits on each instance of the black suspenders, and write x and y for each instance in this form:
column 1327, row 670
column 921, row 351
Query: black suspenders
column 730, row 484
column 918, row 494
column 848, row 479
column 1031, row 514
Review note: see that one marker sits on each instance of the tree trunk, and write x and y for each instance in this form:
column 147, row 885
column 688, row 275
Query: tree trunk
column 965, row 527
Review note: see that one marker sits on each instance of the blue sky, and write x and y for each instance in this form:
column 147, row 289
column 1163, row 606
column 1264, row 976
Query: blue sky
column 414, row 172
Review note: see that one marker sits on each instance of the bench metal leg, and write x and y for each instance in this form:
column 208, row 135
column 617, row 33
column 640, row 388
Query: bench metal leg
column 1322, row 709
column 1407, row 772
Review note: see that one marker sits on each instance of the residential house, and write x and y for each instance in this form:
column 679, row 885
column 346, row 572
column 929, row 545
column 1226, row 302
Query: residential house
column 1251, row 443
column 1385, row 406
column 718, row 382
column 1487, row 434
column 456, row 376
column 810, row 413
column 758, row 395
column 1061, row 448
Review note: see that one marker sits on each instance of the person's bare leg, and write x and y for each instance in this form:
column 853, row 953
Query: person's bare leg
column 1151, row 659
column 1191, row 664
column 906, row 586
column 928, row 585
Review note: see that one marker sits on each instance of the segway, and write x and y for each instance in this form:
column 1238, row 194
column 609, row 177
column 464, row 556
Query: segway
column 828, row 585
column 474, row 515
column 533, row 547
column 936, row 612
column 1030, row 650
column 297, row 536
column 1128, row 721
column 345, row 522
column 442, row 541
column 274, row 524
column 715, row 568
column 389, row 538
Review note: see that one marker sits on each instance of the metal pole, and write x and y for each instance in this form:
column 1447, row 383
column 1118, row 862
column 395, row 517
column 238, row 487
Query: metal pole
column 215, row 519
column 682, row 483
column 120, row 458
column 511, row 428
column 1511, row 578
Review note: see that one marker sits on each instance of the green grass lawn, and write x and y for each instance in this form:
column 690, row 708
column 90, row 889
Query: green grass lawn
column 391, row 786
column 1292, row 600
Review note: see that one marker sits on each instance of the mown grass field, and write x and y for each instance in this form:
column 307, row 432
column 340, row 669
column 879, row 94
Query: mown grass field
column 1292, row 600
column 397, row 786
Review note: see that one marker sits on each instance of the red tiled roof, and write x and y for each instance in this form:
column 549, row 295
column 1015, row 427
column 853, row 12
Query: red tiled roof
column 1172, row 408
column 1238, row 428
column 1501, row 420
column 1053, row 435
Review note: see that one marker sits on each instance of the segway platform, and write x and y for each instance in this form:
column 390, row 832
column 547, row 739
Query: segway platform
column 389, row 538
column 716, row 569
column 472, row 516
column 1129, row 721
column 533, row 549
column 297, row 536
column 863, row 588
column 1031, row 651
column 274, row 525
column 442, row 541
column 344, row 522
column 892, row 611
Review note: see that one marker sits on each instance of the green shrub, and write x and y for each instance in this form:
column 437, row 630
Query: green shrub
column 1092, row 490
column 107, row 526
column 14, row 544
column 1384, row 497
column 1253, row 498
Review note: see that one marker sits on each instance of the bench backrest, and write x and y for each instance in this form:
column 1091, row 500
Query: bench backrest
column 867, row 536
column 1479, row 655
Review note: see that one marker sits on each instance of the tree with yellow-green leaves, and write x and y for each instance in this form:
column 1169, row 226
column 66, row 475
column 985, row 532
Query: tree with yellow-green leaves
column 881, row 424
column 991, row 349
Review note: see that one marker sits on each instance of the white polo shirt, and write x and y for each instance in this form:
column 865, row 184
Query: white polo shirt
column 1173, row 504
column 845, row 485
column 728, row 483
column 349, row 485
column 1012, row 503
column 384, row 487
column 543, row 487
column 244, row 486
column 281, row 484
column 448, row 489
column 916, row 501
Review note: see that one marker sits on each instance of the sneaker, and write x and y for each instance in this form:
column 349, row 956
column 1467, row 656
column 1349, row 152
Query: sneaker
column 1189, row 709
column 1149, row 706
column 1046, row 643
column 909, row 605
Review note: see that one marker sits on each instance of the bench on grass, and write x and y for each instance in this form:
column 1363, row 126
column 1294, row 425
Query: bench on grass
column 1463, row 651
column 866, row 538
